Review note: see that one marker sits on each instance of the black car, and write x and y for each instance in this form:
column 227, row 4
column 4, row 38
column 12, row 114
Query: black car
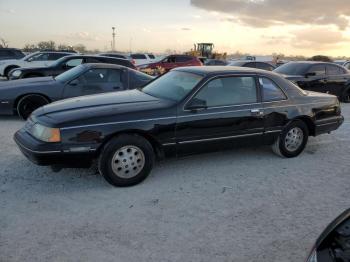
column 115, row 55
column 23, row 96
column 333, row 245
column 215, row 62
column 65, row 63
column 188, row 110
column 253, row 64
column 10, row 53
column 319, row 76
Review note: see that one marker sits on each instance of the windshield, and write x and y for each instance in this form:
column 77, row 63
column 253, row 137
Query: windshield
column 174, row 85
column 293, row 69
column 58, row 61
column 70, row 74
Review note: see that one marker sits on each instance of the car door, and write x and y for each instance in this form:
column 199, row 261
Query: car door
column 231, row 109
column 275, row 104
column 38, row 60
column 96, row 80
column 336, row 80
column 315, row 78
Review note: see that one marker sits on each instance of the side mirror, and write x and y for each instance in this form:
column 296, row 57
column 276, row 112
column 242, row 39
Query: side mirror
column 74, row 82
column 196, row 104
column 333, row 245
column 310, row 74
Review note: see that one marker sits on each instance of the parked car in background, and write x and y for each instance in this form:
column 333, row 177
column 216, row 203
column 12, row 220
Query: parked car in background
column 65, row 63
column 170, row 62
column 115, row 55
column 41, row 58
column 187, row 110
column 319, row 76
column 215, row 62
column 345, row 63
column 253, row 64
column 10, row 53
column 141, row 59
column 23, row 96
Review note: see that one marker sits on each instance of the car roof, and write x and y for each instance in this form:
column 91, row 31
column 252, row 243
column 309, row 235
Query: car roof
column 215, row 70
column 97, row 56
column 310, row 62
column 9, row 48
column 104, row 65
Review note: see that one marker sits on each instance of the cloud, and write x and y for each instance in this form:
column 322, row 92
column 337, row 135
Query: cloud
column 314, row 38
column 186, row 29
column 7, row 11
column 83, row 36
column 264, row 13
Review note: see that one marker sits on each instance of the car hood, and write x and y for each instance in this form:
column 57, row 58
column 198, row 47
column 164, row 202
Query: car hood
column 89, row 109
column 21, row 83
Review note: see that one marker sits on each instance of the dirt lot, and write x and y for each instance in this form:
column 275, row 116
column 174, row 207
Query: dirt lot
column 240, row 205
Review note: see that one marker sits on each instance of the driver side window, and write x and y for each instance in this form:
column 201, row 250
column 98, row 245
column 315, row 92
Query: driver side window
column 39, row 57
column 318, row 70
column 229, row 91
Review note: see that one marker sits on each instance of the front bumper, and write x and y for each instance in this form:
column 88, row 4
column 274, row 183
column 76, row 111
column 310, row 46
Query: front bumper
column 328, row 124
column 50, row 154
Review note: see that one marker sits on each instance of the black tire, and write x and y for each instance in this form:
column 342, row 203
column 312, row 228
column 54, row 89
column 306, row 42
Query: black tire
column 7, row 71
column 280, row 146
column 29, row 103
column 111, row 151
column 345, row 97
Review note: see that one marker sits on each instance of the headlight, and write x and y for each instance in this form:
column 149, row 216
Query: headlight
column 16, row 73
column 45, row 133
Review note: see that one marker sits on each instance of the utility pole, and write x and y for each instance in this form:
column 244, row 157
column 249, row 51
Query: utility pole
column 113, row 41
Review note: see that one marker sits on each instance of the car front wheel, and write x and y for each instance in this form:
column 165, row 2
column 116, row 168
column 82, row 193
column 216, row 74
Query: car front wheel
column 29, row 103
column 126, row 160
column 292, row 140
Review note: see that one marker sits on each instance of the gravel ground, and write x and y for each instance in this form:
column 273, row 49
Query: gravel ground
column 240, row 205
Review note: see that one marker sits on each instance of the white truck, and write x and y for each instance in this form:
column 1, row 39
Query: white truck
column 37, row 59
column 142, row 59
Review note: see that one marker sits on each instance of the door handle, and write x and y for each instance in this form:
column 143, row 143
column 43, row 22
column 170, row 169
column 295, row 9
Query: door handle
column 257, row 112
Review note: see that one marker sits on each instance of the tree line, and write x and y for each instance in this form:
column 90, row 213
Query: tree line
column 51, row 45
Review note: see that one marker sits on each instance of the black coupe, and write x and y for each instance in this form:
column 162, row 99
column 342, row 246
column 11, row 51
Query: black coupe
column 319, row 76
column 65, row 63
column 188, row 110
column 23, row 96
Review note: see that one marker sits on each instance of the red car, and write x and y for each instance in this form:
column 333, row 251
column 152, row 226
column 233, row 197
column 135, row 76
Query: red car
column 168, row 63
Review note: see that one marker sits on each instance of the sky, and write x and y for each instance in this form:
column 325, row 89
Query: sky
column 260, row 27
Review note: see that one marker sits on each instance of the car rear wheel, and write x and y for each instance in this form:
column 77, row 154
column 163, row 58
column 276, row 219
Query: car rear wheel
column 126, row 160
column 27, row 104
column 346, row 96
column 292, row 140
